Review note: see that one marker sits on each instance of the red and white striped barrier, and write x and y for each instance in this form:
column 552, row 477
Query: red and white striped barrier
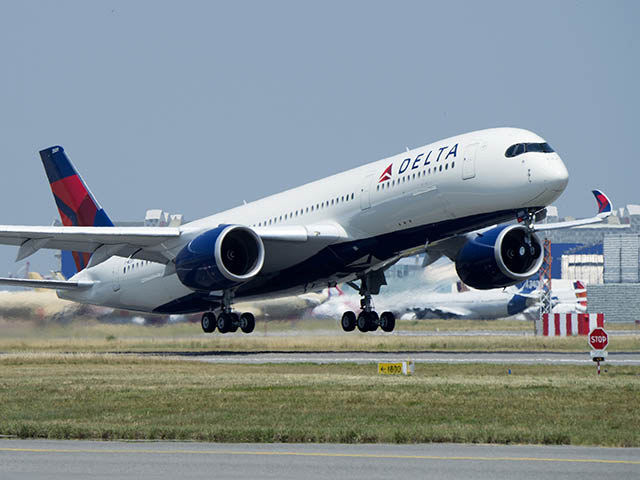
column 568, row 324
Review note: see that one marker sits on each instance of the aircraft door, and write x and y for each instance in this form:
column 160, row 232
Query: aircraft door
column 365, row 192
column 115, row 279
column 469, row 161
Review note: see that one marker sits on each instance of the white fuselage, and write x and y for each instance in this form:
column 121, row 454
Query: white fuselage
column 459, row 183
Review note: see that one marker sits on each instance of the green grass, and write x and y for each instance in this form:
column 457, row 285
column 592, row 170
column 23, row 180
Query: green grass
column 116, row 397
column 90, row 336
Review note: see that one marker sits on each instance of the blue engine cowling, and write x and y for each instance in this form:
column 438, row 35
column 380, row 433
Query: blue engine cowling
column 220, row 258
column 499, row 257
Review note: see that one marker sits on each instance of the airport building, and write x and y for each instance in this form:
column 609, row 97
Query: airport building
column 618, row 296
column 606, row 258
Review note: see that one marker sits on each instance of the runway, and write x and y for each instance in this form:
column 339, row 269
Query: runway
column 506, row 358
column 52, row 459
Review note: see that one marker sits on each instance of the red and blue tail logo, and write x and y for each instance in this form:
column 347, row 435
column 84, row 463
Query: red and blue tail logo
column 76, row 204
column 604, row 205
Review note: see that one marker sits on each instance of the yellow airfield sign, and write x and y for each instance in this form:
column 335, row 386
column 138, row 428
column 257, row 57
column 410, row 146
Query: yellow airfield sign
column 396, row 368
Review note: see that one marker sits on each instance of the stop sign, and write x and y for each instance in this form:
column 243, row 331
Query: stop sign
column 598, row 338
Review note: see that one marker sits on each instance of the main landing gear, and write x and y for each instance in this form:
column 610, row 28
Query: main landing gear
column 227, row 320
column 368, row 320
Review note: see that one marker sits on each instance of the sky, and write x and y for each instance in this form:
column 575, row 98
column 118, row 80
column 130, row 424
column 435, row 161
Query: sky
column 193, row 107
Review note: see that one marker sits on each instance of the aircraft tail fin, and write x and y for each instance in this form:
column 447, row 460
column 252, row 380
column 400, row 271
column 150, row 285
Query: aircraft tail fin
column 76, row 204
column 581, row 293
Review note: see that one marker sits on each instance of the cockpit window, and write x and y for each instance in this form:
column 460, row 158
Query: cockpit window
column 520, row 148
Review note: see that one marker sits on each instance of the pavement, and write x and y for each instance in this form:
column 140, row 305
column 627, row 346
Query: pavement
column 63, row 459
column 504, row 358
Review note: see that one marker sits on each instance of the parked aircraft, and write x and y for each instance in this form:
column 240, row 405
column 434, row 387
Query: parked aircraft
column 471, row 304
column 445, row 198
column 41, row 305
column 568, row 296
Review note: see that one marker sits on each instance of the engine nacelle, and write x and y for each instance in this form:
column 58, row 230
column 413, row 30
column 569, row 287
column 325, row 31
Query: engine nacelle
column 499, row 257
column 220, row 258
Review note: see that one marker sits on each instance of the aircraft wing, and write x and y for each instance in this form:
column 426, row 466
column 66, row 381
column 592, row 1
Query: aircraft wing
column 604, row 210
column 54, row 284
column 449, row 247
column 148, row 243
column 442, row 311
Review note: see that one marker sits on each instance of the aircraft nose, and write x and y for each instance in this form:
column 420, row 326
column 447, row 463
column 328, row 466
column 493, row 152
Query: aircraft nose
column 551, row 174
column 557, row 175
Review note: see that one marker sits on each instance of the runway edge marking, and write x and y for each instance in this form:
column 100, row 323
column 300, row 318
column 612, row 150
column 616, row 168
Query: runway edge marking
column 329, row 455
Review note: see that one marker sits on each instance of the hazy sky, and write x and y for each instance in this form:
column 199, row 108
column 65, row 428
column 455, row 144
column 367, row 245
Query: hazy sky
column 194, row 106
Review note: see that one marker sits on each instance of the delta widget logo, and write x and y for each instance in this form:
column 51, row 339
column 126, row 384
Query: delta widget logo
column 386, row 175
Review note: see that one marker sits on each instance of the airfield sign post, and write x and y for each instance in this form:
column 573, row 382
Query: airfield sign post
column 598, row 340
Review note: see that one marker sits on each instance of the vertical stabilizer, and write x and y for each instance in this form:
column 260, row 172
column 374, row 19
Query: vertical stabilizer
column 76, row 204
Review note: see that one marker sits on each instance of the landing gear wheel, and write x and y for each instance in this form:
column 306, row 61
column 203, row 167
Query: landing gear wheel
column 224, row 322
column 373, row 321
column 235, row 322
column 387, row 321
column 367, row 321
column 247, row 322
column 348, row 321
column 208, row 322
column 363, row 322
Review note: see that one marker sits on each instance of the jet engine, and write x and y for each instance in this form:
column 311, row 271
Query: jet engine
column 499, row 257
column 220, row 258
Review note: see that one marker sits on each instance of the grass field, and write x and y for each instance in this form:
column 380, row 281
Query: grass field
column 116, row 397
column 90, row 336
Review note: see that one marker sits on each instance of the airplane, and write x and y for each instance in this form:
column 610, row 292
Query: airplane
column 446, row 198
column 419, row 302
column 470, row 304
column 568, row 296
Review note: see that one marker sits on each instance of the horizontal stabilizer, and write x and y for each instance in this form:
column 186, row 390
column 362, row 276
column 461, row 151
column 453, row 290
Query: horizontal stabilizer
column 53, row 284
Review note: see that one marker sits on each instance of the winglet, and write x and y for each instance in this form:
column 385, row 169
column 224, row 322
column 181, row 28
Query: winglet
column 604, row 204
